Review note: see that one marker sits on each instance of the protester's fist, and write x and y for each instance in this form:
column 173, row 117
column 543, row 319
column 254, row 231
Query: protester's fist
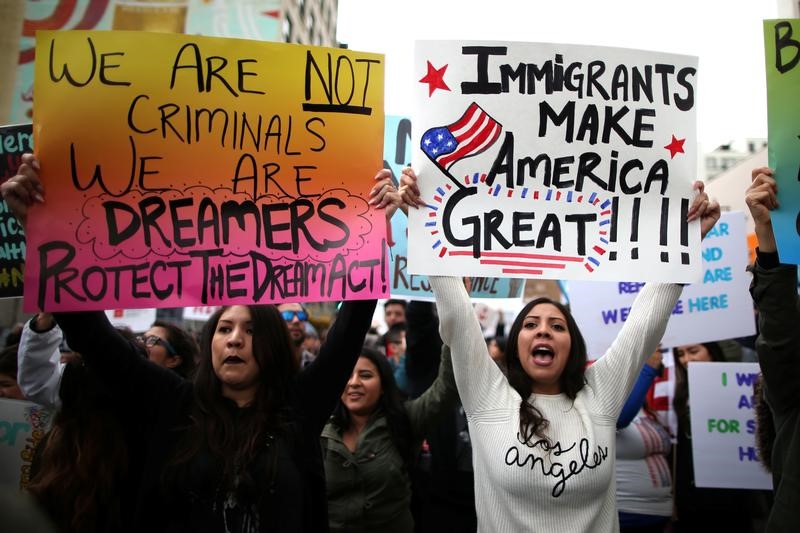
column 762, row 195
column 21, row 191
column 704, row 209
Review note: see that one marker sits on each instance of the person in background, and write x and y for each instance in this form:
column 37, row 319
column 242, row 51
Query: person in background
column 701, row 509
column 543, row 436
column 395, row 349
column 172, row 347
column 371, row 442
column 9, row 387
column 497, row 351
column 394, row 312
column 312, row 341
column 774, row 291
column 296, row 318
column 644, row 448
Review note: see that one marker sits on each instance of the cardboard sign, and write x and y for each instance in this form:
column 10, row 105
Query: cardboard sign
column 14, row 141
column 782, row 46
column 183, row 170
column 723, row 426
column 396, row 156
column 719, row 307
column 554, row 161
column 22, row 426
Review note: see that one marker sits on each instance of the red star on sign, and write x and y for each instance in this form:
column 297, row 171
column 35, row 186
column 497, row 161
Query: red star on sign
column 675, row 147
column 435, row 79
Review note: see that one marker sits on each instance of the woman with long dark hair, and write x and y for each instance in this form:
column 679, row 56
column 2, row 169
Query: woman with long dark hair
column 372, row 440
column 544, row 439
column 237, row 449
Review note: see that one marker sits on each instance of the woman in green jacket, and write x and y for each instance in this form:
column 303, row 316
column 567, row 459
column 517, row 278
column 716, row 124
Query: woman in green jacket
column 372, row 439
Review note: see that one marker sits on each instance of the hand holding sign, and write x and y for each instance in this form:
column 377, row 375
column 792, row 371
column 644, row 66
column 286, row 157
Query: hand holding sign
column 761, row 198
column 23, row 189
column 703, row 209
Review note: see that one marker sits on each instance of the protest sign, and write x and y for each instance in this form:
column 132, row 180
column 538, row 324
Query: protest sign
column 723, row 426
column 183, row 170
column 14, row 141
column 22, row 426
column 200, row 313
column 136, row 320
column 719, row 307
column 554, row 161
column 396, row 155
column 782, row 46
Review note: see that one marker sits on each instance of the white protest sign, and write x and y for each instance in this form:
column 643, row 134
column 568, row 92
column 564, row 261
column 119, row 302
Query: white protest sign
column 720, row 307
column 137, row 320
column 22, row 426
column 554, row 161
column 723, row 426
column 200, row 313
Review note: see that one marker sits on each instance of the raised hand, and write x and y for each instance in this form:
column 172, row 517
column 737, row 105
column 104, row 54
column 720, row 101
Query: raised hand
column 761, row 198
column 21, row 191
column 704, row 209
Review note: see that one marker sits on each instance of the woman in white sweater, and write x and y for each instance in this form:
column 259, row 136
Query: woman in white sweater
column 543, row 439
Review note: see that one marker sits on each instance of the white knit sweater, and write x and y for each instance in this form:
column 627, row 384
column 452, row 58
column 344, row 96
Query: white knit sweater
column 520, row 488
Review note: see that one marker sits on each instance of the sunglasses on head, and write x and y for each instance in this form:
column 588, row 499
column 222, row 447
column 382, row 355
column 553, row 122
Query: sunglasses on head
column 152, row 340
column 301, row 315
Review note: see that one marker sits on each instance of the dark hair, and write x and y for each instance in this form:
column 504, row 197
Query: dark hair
column 184, row 345
column 395, row 332
column 82, row 461
column 211, row 424
column 502, row 343
column 390, row 404
column 8, row 360
column 395, row 301
column 681, row 400
column 531, row 421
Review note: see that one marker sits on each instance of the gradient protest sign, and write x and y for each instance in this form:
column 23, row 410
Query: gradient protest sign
column 14, row 141
column 185, row 171
column 396, row 155
column 554, row 161
column 724, row 426
column 719, row 307
column 782, row 46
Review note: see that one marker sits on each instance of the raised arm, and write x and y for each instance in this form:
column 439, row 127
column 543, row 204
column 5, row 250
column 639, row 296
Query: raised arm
column 140, row 385
column 481, row 384
column 614, row 374
column 637, row 396
column 39, row 367
column 440, row 398
column 774, row 291
column 423, row 346
column 322, row 381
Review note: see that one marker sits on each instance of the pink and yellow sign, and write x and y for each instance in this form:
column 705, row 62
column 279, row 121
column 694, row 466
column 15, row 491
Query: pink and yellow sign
column 183, row 171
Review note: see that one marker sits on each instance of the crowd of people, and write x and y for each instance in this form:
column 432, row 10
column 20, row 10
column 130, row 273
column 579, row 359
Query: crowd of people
column 262, row 424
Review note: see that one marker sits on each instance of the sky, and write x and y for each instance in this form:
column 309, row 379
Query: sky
column 726, row 36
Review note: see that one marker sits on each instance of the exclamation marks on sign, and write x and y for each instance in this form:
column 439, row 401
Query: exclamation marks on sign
column 384, row 266
column 612, row 237
column 684, row 230
column 637, row 203
column 664, row 233
column 724, row 379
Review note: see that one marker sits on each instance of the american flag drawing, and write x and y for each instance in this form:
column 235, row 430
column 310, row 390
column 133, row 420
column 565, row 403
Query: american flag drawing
column 470, row 135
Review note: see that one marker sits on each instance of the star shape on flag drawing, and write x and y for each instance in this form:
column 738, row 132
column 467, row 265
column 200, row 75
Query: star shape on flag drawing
column 435, row 79
column 675, row 147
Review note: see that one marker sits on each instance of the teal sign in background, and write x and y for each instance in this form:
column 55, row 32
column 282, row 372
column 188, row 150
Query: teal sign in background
column 397, row 155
